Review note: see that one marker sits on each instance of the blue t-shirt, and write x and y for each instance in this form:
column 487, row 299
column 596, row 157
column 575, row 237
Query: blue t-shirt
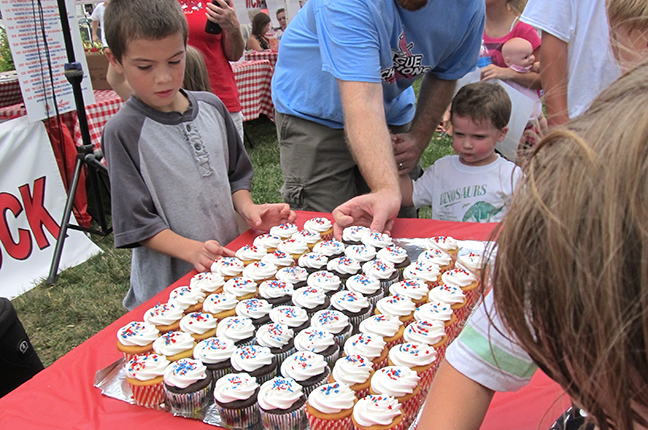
column 372, row 41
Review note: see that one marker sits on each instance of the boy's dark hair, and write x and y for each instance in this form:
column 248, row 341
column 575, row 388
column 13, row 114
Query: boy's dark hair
column 481, row 101
column 127, row 20
column 280, row 10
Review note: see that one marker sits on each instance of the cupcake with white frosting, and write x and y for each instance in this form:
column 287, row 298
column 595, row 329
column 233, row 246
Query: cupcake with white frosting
column 377, row 412
column 320, row 342
column 228, row 267
column 467, row 281
column 438, row 257
column 355, row 371
column 310, row 237
column 292, row 316
column 175, row 345
column 313, row 262
column 427, row 272
column 294, row 247
column 439, row 311
column 368, row 345
column 260, row 271
column 208, row 282
column 389, row 327
column 353, row 235
column 384, row 271
column 366, row 285
column 255, row 360
column 444, row 243
column 378, row 240
column 235, row 396
column 396, row 256
column 267, row 241
column 190, row 299
column 335, row 322
column 455, row 297
column 308, row 368
column 242, row 288
column 239, row 330
column 354, row 305
column 215, row 354
column 330, row 407
column 187, row 385
column 277, row 293
column 311, row 299
column 145, row 377
column 414, row 289
column 320, row 225
column 164, row 316
column 200, row 325
column 258, row 310
column 397, row 305
column 278, row 337
column 327, row 281
column 360, row 253
column 284, row 231
column 282, row 404
column 401, row 383
column 419, row 357
column 220, row 305
column 343, row 267
column 296, row 275
column 331, row 248
column 279, row 259
column 429, row 333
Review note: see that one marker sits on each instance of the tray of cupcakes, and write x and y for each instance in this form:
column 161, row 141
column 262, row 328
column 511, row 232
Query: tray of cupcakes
column 301, row 331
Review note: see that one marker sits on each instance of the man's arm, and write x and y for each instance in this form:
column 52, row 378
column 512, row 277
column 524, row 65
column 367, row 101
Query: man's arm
column 433, row 99
column 95, row 30
column 455, row 402
column 232, row 40
column 553, row 73
column 369, row 141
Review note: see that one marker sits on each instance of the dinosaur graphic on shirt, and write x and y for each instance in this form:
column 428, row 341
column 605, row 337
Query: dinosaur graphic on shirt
column 481, row 212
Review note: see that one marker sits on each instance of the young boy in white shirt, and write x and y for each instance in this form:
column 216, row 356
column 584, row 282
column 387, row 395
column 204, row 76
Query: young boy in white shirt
column 476, row 184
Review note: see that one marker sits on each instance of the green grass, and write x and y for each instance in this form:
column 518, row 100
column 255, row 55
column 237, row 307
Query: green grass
column 88, row 297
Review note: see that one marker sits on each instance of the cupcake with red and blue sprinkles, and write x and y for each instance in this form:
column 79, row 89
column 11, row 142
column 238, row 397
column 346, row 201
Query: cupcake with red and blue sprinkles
column 384, row 271
column 248, row 254
column 215, row 354
column 307, row 368
column 430, row 333
column 390, row 328
column 200, row 325
column 309, row 237
column 444, row 243
column 334, row 322
column 439, row 311
column 354, row 305
column 325, row 280
column 187, row 385
column 370, row 346
column 320, row 342
column 331, row 248
column 239, row 330
column 343, row 267
column 190, row 299
column 242, row 288
column 368, row 286
column 235, row 396
column 412, row 288
column 164, row 316
column 267, row 241
column 284, row 231
column 313, row 262
column 228, row 267
column 438, row 257
column 277, row 293
column 396, row 256
column 136, row 338
column 278, row 337
column 208, row 282
column 258, row 310
column 375, row 412
column 330, row 406
column 145, row 377
column 292, row 316
column 419, row 357
column 311, row 299
column 296, row 275
column 353, row 235
column 282, row 404
column 279, row 259
column 355, row 371
column 320, row 225
column 220, row 305
column 255, row 360
column 401, row 383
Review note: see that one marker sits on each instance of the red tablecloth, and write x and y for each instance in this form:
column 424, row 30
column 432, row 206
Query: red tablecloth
column 253, row 82
column 106, row 104
column 63, row 396
column 262, row 55
column 9, row 89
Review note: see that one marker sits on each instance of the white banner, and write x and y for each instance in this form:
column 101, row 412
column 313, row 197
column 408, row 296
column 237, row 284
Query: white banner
column 32, row 199
column 23, row 21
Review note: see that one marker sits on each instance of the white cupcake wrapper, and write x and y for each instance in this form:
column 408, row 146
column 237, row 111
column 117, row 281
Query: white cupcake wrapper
column 246, row 418
column 189, row 405
column 295, row 420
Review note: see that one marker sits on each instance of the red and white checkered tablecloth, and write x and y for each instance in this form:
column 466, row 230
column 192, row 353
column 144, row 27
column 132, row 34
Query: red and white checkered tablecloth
column 106, row 104
column 262, row 55
column 253, row 80
column 9, row 89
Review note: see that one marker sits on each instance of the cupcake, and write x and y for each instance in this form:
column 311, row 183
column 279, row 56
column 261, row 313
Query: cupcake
column 297, row 276
column 200, row 325
column 428, row 332
column 444, row 243
column 145, row 377
column 239, row 330
column 284, row 231
column 419, row 357
column 188, row 298
column 292, row 316
column 355, row 371
column 313, row 262
column 368, row 286
column 228, row 267
column 472, row 262
column 164, row 316
column 429, row 273
column 414, row 289
column 260, row 271
column 208, row 282
column 330, row 248
column 279, row 259
column 396, row 256
column 258, row 310
column 175, row 345
column 330, row 406
column 256, row 360
column 360, row 253
column 278, row 337
column 438, row 257
column 220, row 305
column 293, row 247
column 248, row 254
column 439, row 311
column 242, row 288
column 320, row 342
column 277, row 293
column 343, row 267
column 310, row 237
column 325, row 280
column 235, row 396
column 282, row 404
column 354, row 305
column 311, row 299
column 369, row 346
column 401, row 383
column 455, row 297
column 215, row 354
column 467, row 281
column 187, row 385
column 334, row 322
column 378, row 240
column 384, row 271
column 322, row 226
column 397, row 305
column 377, row 413
column 136, row 338
column 390, row 328
column 353, row 235
column 307, row 368
column 267, row 241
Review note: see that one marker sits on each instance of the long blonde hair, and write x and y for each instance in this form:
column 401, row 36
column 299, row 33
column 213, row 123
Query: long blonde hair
column 196, row 77
column 571, row 272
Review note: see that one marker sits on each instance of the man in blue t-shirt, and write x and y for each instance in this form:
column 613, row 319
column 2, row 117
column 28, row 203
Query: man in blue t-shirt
column 345, row 69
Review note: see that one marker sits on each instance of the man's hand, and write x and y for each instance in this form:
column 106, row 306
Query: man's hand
column 206, row 254
column 263, row 217
column 407, row 151
column 374, row 210
column 225, row 16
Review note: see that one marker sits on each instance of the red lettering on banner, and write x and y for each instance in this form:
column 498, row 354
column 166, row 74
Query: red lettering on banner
column 19, row 250
column 37, row 216
column 255, row 4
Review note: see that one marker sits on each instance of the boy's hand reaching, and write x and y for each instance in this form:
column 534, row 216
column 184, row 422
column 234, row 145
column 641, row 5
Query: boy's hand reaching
column 263, row 217
column 208, row 253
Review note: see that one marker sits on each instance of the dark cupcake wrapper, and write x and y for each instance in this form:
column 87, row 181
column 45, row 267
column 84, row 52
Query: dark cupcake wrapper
column 386, row 283
column 219, row 373
column 342, row 337
column 324, row 380
column 332, row 358
column 242, row 418
column 189, row 405
column 294, row 420
column 264, row 378
column 356, row 320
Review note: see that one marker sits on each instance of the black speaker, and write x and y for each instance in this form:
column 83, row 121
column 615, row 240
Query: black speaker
column 18, row 359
